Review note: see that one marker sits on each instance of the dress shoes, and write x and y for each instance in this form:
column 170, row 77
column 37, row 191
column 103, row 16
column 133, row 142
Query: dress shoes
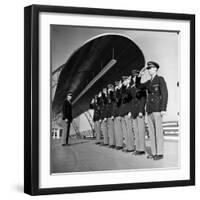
column 118, row 148
column 158, row 157
column 150, row 156
column 65, row 144
column 104, row 144
column 97, row 142
column 139, row 153
column 127, row 151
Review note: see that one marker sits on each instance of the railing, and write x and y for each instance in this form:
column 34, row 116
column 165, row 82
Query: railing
column 170, row 128
column 76, row 128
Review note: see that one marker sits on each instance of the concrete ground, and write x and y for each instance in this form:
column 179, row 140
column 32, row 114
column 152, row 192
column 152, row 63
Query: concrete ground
column 85, row 155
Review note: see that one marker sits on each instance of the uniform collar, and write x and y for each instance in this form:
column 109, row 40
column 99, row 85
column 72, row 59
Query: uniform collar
column 154, row 78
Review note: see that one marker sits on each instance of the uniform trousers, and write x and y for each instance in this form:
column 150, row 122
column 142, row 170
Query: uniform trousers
column 104, row 129
column 127, row 132
column 156, row 133
column 130, row 134
column 139, row 132
column 66, row 130
column 111, row 134
column 118, row 131
column 124, row 130
column 97, row 130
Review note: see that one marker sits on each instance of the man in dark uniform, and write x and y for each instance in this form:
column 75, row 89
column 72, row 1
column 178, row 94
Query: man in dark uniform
column 95, row 105
column 110, row 117
column 67, row 117
column 117, row 119
column 156, row 107
column 104, row 126
column 125, row 116
column 138, row 100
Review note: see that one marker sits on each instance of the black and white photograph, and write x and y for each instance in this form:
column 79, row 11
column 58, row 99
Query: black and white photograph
column 115, row 99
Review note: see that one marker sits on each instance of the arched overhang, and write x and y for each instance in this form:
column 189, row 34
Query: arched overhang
column 88, row 61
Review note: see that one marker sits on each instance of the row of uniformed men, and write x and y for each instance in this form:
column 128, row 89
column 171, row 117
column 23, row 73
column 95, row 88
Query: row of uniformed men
column 119, row 112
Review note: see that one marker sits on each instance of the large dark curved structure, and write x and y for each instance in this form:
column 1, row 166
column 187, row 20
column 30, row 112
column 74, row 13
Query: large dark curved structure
column 88, row 61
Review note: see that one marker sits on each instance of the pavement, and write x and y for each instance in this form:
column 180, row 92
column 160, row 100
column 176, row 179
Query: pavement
column 83, row 155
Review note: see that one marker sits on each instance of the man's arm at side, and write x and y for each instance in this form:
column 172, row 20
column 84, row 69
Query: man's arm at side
column 164, row 94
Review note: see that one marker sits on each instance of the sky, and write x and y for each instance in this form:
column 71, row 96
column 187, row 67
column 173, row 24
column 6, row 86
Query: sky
column 161, row 47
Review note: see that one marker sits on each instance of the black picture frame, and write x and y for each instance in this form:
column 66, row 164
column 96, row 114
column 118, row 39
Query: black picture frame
column 31, row 98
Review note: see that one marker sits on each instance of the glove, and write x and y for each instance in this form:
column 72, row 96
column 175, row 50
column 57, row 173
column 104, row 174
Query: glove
column 140, row 115
column 162, row 113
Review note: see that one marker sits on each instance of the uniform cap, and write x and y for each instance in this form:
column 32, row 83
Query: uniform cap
column 110, row 86
column 135, row 72
column 152, row 64
column 125, row 78
column 117, row 82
